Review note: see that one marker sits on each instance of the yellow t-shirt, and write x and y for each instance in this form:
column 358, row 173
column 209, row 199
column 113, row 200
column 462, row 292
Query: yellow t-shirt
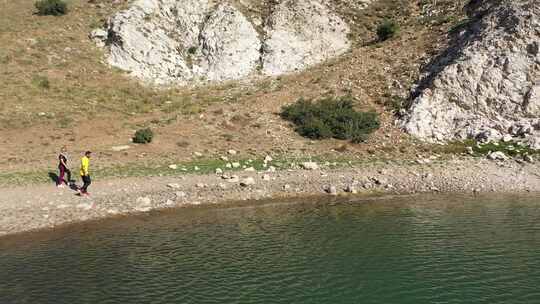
column 85, row 166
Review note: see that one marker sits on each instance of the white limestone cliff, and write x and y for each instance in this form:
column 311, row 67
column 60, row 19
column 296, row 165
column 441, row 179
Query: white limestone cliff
column 172, row 42
column 487, row 84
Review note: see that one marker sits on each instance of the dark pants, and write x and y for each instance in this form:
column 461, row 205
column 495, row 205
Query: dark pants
column 63, row 171
column 87, row 181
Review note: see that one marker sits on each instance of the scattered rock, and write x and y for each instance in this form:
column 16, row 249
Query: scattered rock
column 268, row 159
column 120, row 148
column 232, row 152
column 351, row 189
column 332, row 190
column 507, row 138
column 309, row 166
column 266, row 178
column 99, row 36
column 250, row 169
column 528, row 158
column 497, row 156
column 197, row 154
column 378, row 181
column 174, row 186
column 173, row 167
column 236, row 165
column 142, row 209
column 247, row 182
column 144, row 201
column 219, row 171
column 181, row 194
column 233, row 179
column 368, row 185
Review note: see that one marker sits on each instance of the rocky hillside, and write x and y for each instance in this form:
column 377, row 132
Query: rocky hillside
column 179, row 42
column 486, row 85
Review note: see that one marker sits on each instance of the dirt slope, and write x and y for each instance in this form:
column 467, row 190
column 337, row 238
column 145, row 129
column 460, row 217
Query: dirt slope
column 56, row 89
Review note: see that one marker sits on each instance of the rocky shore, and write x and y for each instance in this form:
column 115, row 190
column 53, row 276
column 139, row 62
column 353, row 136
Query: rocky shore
column 44, row 206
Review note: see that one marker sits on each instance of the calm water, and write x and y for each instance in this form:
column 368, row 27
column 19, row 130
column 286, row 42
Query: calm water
column 400, row 250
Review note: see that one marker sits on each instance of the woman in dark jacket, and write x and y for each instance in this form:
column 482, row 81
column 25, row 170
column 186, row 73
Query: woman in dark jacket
column 63, row 168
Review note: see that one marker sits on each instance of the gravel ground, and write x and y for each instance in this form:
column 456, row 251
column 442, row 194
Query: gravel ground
column 45, row 206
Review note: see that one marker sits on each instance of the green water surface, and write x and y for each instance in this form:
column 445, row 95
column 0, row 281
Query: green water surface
column 425, row 249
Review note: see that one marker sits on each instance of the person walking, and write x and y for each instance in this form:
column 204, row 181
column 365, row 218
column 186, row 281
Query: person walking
column 63, row 169
column 85, row 173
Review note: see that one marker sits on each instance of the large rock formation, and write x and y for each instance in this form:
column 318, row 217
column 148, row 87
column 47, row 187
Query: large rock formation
column 178, row 42
column 487, row 84
column 301, row 34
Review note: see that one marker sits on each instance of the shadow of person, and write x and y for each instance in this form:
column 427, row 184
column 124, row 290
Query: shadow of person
column 73, row 186
column 54, row 177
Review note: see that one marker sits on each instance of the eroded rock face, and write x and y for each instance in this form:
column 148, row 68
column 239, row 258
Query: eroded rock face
column 488, row 82
column 179, row 42
column 301, row 33
column 172, row 41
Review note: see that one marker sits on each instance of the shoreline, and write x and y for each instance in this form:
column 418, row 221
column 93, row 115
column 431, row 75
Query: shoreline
column 43, row 206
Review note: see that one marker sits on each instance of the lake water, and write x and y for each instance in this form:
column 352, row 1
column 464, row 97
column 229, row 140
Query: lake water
column 425, row 249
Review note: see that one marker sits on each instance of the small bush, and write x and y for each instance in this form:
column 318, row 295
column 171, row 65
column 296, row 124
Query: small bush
column 387, row 30
column 41, row 82
column 395, row 103
column 51, row 7
column 331, row 118
column 143, row 136
column 192, row 50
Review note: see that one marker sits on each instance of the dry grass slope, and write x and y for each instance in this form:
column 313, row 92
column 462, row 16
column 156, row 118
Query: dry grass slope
column 55, row 89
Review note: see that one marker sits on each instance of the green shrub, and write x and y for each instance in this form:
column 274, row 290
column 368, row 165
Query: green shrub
column 41, row 82
column 331, row 118
column 395, row 103
column 387, row 29
column 192, row 50
column 51, row 7
column 143, row 136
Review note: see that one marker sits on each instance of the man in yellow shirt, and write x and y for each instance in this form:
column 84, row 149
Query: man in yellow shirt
column 85, row 173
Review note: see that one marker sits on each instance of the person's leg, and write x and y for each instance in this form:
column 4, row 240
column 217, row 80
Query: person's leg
column 83, row 187
column 89, row 182
column 68, row 174
column 60, row 179
column 86, row 182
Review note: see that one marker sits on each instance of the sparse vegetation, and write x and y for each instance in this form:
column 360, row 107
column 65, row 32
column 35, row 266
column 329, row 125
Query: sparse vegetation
column 395, row 103
column 192, row 50
column 512, row 148
column 387, row 29
column 509, row 148
column 41, row 82
column 143, row 136
column 331, row 118
column 51, row 7
column 460, row 25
